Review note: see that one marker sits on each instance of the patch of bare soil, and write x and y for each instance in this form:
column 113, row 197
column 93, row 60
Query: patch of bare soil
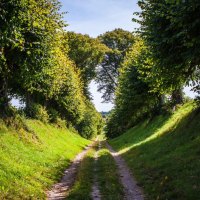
column 131, row 190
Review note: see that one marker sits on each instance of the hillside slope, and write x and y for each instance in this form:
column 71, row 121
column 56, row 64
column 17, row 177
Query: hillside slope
column 164, row 154
column 32, row 160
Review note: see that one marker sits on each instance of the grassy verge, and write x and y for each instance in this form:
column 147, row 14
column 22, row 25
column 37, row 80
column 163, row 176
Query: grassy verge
column 31, row 162
column 106, row 174
column 83, row 186
column 164, row 154
column 107, row 177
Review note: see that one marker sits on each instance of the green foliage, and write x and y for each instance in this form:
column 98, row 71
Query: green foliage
column 92, row 122
column 118, row 41
column 31, row 161
column 138, row 94
column 25, row 40
column 69, row 100
column 37, row 111
column 87, row 53
column 134, row 99
column 171, row 30
column 53, row 115
column 83, row 186
column 163, row 154
column 15, row 121
column 41, row 63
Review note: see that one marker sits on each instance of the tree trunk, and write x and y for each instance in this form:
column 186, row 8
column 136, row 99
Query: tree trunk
column 28, row 100
column 158, row 108
column 177, row 97
column 4, row 92
column 4, row 100
column 4, row 81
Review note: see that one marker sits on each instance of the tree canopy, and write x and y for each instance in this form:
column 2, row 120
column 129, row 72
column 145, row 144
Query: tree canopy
column 87, row 53
column 50, row 68
column 171, row 30
column 133, row 96
column 40, row 63
column 118, row 41
column 160, row 63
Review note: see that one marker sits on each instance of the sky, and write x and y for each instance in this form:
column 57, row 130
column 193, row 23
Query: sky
column 95, row 17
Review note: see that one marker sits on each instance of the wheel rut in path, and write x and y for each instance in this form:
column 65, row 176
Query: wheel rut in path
column 95, row 189
column 59, row 190
column 131, row 190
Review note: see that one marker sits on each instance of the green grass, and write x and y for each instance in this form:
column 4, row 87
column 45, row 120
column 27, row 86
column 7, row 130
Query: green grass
column 31, row 162
column 105, row 173
column 164, row 154
column 82, row 188
column 107, row 176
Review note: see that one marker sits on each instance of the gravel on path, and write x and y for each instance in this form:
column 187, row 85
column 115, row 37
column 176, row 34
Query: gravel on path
column 131, row 190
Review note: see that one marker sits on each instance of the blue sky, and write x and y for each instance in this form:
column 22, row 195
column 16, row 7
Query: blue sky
column 95, row 17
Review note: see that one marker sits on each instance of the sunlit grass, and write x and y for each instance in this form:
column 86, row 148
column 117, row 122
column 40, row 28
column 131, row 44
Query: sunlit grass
column 82, row 188
column 31, row 162
column 103, row 171
column 163, row 154
column 108, row 177
column 150, row 130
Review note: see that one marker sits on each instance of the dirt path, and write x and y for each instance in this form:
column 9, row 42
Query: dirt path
column 95, row 189
column 131, row 189
column 59, row 190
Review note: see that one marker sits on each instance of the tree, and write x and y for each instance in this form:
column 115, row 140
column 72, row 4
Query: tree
column 65, row 93
column 28, row 30
column 35, row 64
column 118, row 41
column 171, row 30
column 134, row 98
column 87, row 53
column 92, row 122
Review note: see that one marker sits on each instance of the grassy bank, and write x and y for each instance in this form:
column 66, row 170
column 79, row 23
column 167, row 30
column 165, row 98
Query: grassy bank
column 164, row 154
column 31, row 161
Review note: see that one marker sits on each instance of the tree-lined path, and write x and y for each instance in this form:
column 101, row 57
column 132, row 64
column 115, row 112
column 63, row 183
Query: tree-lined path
column 52, row 75
column 131, row 191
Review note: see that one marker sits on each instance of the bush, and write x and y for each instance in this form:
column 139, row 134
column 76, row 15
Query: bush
column 91, row 125
column 53, row 115
column 37, row 111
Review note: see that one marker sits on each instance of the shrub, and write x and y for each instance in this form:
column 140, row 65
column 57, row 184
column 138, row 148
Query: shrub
column 53, row 115
column 37, row 111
